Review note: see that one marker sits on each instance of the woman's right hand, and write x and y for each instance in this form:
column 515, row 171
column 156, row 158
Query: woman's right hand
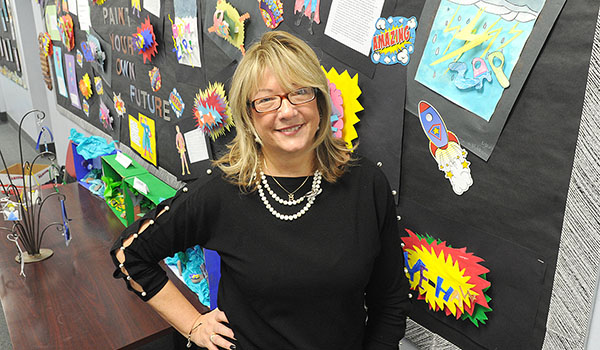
column 213, row 330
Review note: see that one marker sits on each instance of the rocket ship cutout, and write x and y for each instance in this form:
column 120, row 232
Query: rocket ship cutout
column 445, row 149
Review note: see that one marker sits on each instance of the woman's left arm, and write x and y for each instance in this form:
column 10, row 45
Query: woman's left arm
column 387, row 292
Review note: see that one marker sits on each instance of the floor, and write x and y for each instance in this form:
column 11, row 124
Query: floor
column 9, row 147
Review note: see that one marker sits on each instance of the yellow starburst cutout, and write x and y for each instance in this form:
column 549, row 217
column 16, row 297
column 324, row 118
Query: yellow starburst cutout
column 447, row 279
column 350, row 93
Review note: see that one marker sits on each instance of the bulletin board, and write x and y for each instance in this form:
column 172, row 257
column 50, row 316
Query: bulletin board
column 10, row 61
column 507, row 220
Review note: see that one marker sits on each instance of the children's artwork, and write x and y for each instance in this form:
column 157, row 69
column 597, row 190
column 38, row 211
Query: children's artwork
column 87, row 52
column 211, row 111
column 95, row 48
column 185, row 33
column 85, row 106
column 142, row 137
column 101, row 55
column 394, row 40
column 72, row 80
column 10, row 210
column 155, row 79
column 191, row 267
column 65, row 28
column 79, row 58
column 85, row 86
column 104, row 116
column 229, row 25
column 136, row 7
column 349, row 91
column 445, row 149
column 447, row 279
column 310, row 9
column 272, row 12
column 119, row 104
column 145, row 41
column 46, row 43
column 185, row 41
column 52, row 22
column 98, row 85
column 337, row 111
column 58, row 69
column 473, row 48
column 176, row 102
column 180, row 144
column 45, row 47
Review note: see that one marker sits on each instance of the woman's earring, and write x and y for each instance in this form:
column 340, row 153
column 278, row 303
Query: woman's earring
column 256, row 139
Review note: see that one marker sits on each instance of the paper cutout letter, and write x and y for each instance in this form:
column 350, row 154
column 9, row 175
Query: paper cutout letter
column 447, row 279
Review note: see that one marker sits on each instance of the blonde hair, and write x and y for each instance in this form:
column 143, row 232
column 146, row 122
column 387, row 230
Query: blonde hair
column 294, row 64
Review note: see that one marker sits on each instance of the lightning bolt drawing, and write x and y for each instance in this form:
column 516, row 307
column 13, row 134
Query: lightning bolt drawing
column 512, row 30
column 471, row 38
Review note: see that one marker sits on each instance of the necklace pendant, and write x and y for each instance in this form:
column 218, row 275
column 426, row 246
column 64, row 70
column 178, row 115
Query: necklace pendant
column 290, row 196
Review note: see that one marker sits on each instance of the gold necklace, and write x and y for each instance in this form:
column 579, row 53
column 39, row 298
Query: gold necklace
column 290, row 194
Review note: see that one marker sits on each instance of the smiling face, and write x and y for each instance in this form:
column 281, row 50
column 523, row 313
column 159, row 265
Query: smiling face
column 288, row 132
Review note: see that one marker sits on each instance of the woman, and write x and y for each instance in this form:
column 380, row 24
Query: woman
column 307, row 235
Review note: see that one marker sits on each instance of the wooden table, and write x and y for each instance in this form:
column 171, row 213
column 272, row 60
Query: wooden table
column 71, row 300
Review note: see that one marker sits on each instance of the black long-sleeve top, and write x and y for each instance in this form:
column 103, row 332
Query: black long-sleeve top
column 300, row 284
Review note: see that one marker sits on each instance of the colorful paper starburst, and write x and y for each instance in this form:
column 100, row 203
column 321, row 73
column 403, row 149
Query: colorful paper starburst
column 145, row 40
column 155, row 79
column 46, row 44
column 211, row 111
column 119, row 104
column 85, row 86
column 98, row 85
column 65, row 28
column 448, row 279
column 176, row 102
column 350, row 91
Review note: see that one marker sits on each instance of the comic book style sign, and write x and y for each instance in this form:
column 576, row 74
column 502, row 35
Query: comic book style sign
column 449, row 280
column 393, row 41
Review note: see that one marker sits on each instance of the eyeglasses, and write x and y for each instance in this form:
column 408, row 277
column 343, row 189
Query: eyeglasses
column 296, row 97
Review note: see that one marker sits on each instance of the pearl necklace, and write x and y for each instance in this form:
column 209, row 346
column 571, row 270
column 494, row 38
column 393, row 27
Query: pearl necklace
column 310, row 196
column 274, row 195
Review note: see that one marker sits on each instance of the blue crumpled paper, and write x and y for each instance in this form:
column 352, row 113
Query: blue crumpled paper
column 90, row 147
column 193, row 265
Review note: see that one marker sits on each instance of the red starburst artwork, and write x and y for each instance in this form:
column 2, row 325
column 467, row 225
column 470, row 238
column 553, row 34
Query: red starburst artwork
column 145, row 40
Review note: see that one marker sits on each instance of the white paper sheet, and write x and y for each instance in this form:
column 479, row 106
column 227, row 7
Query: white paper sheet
column 134, row 132
column 72, row 4
column 152, row 6
column 51, row 22
column 352, row 22
column 83, row 14
column 196, row 145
